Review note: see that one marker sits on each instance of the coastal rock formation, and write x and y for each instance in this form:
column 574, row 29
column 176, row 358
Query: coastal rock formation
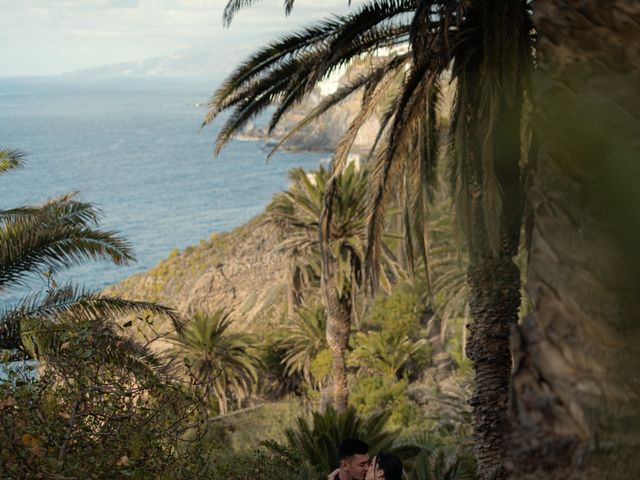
column 324, row 133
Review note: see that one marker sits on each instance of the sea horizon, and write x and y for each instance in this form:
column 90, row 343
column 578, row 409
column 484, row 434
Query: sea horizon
column 132, row 145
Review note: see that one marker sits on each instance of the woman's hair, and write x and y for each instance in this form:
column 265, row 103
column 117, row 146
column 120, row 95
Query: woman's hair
column 390, row 464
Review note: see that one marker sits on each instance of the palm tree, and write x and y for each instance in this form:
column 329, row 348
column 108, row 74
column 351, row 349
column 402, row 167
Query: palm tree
column 576, row 395
column 487, row 48
column 221, row 362
column 301, row 209
column 385, row 354
column 48, row 238
column 302, row 340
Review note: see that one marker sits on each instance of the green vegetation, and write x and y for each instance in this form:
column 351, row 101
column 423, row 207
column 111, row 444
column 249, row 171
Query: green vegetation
column 220, row 362
column 91, row 415
column 318, row 440
column 488, row 50
column 339, row 358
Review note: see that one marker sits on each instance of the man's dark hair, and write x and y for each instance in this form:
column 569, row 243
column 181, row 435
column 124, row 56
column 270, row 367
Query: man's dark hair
column 350, row 447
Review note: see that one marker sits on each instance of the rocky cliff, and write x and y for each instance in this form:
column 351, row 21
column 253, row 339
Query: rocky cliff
column 324, row 133
column 240, row 271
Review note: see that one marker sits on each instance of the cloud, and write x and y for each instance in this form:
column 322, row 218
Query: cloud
column 51, row 36
column 124, row 3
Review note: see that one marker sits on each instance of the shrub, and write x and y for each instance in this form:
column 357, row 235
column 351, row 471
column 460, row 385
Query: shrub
column 375, row 393
column 268, row 462
column 398, row 313
column 86, row 418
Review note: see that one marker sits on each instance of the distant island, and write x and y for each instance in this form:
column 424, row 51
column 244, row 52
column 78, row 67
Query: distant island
column 189, row 62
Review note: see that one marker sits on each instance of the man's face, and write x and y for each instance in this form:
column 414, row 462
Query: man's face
column 356, row 466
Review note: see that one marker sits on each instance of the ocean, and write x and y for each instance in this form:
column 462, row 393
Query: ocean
column 134, row 148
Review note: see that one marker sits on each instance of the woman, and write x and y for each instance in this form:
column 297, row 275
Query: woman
column 385, row 466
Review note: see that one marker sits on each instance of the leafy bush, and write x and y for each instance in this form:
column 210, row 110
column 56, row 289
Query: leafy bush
column 268, row 462
column 86, row 416
column 398, row 313
column 375, row 393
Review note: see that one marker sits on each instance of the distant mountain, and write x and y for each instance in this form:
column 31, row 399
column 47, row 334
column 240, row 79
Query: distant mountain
column 190, row 62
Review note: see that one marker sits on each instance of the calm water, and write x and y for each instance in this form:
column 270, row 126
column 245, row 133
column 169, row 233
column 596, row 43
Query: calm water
column 133, row 147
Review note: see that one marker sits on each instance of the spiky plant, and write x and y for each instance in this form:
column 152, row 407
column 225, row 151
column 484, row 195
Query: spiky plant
column 220, row 361
column 486, row 47
column 444, row 463
column 319, row 440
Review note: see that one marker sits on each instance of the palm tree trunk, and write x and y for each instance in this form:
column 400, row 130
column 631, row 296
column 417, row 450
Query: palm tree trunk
column 294, row 287
column 493, row 303
column 575, row 387
column 338, row 331
column 494, row 289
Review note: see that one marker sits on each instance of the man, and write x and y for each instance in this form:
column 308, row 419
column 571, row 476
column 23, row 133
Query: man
column 353, row 457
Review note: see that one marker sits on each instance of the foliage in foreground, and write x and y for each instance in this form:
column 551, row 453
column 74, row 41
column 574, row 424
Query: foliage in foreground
column 318, row 441
column 90, row 415
column 39, row 241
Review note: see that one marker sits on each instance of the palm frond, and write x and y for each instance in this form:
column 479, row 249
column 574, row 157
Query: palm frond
column 232, row 7
column 221, row 361
column 319, row 440
column 63, row 209
column 28, row 246
column 288, row 69
column 10, row 158
column 303, row 339
column 68, row 305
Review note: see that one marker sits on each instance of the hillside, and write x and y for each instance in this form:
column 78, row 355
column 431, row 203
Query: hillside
column 239, row 271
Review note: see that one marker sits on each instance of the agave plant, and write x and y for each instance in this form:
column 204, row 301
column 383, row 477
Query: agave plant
column 220, row 361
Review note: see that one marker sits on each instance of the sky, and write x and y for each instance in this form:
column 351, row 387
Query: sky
column 48, row 37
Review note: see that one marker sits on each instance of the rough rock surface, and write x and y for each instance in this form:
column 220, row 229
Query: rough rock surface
column 240, row 271
column 324, row 133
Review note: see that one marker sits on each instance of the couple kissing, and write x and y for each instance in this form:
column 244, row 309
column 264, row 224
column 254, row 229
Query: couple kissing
column 355, row 464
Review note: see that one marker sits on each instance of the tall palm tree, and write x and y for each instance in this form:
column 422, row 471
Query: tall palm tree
column 221, row 361
column 301, row 208
column 48, row 238
column 487, row 48
column 576, row 394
